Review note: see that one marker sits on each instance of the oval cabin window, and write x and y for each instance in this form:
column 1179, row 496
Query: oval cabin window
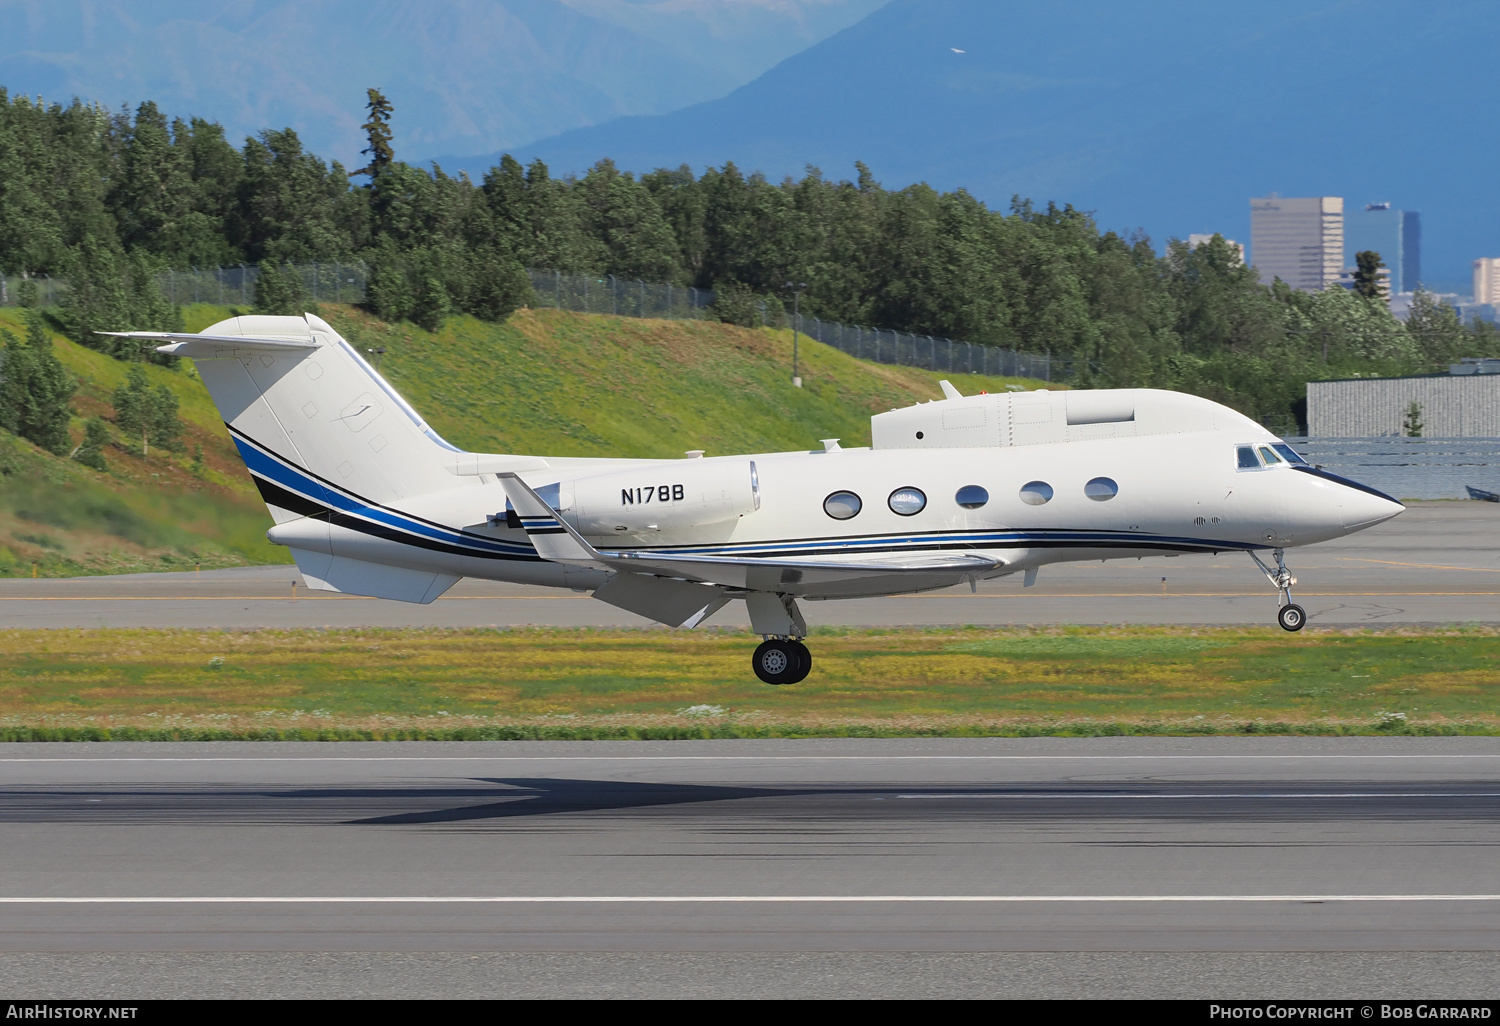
column 971, row 497
column 907, row 501
column 1036, row 493
column 1101, row 489
column 842, row 505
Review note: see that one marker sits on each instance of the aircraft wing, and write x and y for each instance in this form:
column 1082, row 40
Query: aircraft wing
column 556, row 540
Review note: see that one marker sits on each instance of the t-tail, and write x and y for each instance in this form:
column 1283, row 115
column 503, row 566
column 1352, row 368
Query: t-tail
column 328, row 442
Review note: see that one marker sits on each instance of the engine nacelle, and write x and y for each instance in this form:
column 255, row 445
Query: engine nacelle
column 670, row 496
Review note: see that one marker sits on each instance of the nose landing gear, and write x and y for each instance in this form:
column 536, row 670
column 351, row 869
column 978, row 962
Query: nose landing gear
column 1290, row 616
column 782, row 661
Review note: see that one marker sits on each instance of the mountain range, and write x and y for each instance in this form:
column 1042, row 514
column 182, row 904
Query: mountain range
column 464, row 75
column 1157, row 115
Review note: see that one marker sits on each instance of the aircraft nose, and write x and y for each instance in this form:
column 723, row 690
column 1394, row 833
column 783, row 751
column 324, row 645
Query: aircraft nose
column 1362, row 509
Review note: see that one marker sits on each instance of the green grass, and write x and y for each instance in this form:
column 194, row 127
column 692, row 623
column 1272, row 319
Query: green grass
column 616, row 683
column 544, row 382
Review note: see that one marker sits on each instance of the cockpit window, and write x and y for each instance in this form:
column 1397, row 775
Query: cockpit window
column 1270, row 457
column 1289, row 454
column 1245, row 456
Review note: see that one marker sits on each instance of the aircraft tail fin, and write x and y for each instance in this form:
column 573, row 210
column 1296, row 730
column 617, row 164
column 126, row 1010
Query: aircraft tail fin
column 317, row 426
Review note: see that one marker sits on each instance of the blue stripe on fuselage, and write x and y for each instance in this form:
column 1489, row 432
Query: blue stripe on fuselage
column 267, row 466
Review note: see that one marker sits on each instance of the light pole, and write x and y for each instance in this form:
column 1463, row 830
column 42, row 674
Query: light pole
column 796, row 287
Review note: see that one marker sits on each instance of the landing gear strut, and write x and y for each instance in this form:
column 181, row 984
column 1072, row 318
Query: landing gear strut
column 1291, row 616
column 782, row 661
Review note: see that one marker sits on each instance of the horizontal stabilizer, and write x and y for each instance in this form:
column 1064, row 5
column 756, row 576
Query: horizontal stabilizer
column 207, row 347
column 359, row 577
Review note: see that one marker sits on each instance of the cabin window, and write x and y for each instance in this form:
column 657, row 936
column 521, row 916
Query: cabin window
column 971, row 497
column 1289, row 454
column 1245, row 458
column 1101, row 489
column 1036, row 493
column 907, row 501
column 842, row 505
column 1269, row 456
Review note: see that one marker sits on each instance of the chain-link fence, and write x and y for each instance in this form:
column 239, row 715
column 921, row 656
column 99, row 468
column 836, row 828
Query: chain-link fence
column 624, row 298
column 621, row 297
column 337, row 282
column 926, row 351
column 324, row 282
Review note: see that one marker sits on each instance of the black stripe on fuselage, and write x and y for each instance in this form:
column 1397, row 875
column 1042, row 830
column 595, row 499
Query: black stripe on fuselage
column 275, row 495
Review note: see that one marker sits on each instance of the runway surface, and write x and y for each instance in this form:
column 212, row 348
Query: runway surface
column 1439, row 562
column 731, row 852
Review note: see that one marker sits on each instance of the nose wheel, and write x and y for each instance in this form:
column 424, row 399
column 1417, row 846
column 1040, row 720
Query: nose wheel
column 1290, row 616
column 781, row 661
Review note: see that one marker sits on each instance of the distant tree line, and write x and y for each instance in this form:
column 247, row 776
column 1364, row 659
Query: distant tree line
column 106, row 199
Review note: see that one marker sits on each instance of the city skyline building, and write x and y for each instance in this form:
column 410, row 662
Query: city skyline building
column 1298, row 239
column 1395, row 234
column 1487, row 281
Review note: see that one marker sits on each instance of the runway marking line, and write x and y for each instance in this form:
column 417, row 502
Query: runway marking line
column 69, row 760
column 738, row 899
column 1424, row 566
column 1109, row 796
column 582, row 598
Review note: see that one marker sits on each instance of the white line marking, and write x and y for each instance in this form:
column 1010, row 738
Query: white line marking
column 1094, row 795
column 710, row 758
column 675, row 899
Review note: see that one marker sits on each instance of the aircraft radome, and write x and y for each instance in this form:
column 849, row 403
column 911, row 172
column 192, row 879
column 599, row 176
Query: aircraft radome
column 372, row 501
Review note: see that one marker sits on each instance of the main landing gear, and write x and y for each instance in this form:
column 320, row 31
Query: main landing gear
column 1291, row 616
column 781, row 657
column 782, row 661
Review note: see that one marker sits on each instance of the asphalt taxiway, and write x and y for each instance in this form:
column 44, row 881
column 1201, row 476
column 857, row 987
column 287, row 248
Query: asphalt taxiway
column 1105, row 852
column 1439, row 562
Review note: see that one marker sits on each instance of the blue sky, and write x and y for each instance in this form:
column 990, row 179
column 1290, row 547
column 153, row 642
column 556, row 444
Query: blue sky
column 1159, row 115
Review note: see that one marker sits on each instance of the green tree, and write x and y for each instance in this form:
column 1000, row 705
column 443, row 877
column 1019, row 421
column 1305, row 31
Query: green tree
column 95, row 437
column 735, row 303
column 148, row 412
column 35, row 388
column 378, row 131
column 110, row 292
column 498, row 284
column 1368, row 281
column 1411, row 424
column 279, row 290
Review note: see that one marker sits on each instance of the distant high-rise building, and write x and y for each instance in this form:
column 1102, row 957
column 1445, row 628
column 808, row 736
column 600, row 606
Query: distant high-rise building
column 1395, row 234
column 1196, row 240
column 1411, row 250
column 1487, row 280
column 1299, row 240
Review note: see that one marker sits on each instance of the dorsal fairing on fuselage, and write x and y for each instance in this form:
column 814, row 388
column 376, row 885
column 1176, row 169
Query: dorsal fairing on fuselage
column 1044, row 416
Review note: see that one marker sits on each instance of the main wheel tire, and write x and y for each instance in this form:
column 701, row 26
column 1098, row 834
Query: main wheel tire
column 777, row 662
column 804, row 663
column 1292, row 617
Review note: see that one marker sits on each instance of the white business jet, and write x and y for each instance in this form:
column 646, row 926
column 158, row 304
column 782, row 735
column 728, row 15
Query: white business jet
column 371, row 501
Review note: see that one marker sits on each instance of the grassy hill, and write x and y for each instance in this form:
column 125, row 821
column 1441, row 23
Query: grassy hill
column 546, row 382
